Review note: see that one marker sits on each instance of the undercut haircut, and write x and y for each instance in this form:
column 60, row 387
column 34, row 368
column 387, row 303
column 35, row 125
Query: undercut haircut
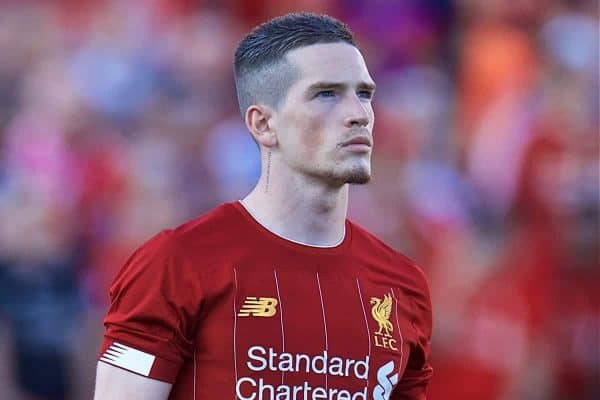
column 263, row 74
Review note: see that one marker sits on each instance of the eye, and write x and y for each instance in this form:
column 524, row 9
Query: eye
column 365, row 94
column 325, row 93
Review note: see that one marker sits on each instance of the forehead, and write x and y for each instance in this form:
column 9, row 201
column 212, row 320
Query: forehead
column 331, row 62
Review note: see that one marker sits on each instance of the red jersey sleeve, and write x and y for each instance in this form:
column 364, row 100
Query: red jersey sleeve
column 153, row 305
column 415, row 380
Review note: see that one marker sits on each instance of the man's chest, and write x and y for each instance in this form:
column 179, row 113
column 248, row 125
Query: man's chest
column 291, row 331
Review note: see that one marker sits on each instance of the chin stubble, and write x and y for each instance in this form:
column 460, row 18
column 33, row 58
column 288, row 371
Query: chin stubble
column 356, row 176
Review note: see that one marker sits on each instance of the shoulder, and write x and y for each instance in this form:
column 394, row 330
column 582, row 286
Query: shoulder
column 398, row 270
column 215, row 229
column 220, row 219
column 178, row 248
column 367, row 241
column 397, row 265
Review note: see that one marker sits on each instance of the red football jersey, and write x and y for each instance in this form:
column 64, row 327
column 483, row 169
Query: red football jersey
column 224, row 309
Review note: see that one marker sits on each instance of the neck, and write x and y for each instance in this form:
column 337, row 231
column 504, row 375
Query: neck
column 300, row 209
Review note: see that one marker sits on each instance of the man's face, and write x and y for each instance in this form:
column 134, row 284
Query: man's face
column 324, row 125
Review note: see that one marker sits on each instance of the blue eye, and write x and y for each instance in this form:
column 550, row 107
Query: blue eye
column 365, row 94
column 326, row 93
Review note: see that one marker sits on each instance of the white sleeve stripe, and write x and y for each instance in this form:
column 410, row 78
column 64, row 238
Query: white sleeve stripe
column 113, row 353
column 128, row 358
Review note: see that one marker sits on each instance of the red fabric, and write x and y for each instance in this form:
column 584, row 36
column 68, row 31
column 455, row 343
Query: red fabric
column 179, row 298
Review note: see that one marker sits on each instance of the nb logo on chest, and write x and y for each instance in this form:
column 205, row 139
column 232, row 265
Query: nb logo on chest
column 258, row 307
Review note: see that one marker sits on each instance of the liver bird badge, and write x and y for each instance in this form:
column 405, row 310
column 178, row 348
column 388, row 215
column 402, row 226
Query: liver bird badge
column 381, row 313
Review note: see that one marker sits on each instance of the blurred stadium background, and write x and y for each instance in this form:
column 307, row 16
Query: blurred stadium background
column 119, row 118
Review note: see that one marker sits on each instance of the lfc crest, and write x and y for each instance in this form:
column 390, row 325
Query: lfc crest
column 381, row 311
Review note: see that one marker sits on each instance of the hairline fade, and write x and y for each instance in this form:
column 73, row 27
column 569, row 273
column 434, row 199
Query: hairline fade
column 262, row 72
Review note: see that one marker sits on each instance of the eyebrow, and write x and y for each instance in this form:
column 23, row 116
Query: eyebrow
column 339, row 85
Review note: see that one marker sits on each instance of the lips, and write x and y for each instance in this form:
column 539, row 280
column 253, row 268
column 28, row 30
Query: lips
column 358, row 140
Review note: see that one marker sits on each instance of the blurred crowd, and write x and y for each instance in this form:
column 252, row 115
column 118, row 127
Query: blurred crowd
column 119, row 119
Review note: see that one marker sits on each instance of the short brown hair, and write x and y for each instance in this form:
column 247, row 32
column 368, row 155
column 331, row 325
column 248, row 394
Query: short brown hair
column 262, row 74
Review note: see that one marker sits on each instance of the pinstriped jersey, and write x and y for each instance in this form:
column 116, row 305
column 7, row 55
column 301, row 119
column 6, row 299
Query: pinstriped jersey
column 224, row 309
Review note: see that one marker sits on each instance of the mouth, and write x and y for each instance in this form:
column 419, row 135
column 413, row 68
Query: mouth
column 358, row 143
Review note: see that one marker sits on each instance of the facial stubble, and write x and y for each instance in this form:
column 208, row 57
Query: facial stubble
column 356, row 174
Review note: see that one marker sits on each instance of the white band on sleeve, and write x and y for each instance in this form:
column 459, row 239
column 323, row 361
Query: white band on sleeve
column 128, row 358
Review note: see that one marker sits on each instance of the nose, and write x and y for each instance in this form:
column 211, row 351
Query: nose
column 359, row 114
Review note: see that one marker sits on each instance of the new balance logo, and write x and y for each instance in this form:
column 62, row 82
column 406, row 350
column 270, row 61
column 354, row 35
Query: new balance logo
column 385, row 382
column 261, row 307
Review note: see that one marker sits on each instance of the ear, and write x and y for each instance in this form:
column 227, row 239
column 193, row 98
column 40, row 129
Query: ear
column 260, row 124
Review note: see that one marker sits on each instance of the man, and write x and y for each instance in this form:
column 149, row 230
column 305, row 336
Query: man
column 278, row 296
